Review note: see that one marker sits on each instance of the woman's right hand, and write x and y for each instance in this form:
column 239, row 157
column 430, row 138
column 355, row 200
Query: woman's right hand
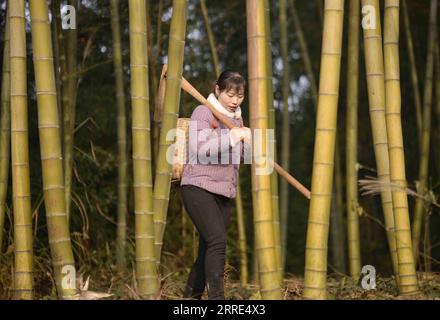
column 240, row 134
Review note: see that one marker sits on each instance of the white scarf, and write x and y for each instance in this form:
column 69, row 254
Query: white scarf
column 220, row 108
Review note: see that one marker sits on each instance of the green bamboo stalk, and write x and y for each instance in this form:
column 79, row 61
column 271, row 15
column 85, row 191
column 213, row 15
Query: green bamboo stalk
column 259, row 77
column 376, row 97
column 420, row 206
column 162, row 182
column 413, row 65
column 427, row 243
column 61, row 43
column 5, row 132
column 285, row 142
column 69, row 106
column 244, row 276
column 304, row 49
column 407, row 273
column 427, row 251
column 336, row 218
column 50, row 148
column 23, row 268
column 315, row 279
column 122, row 138
column 354, row 254
column 214, row 55
column 437, row 90
column 146, row 271
column 272, row 141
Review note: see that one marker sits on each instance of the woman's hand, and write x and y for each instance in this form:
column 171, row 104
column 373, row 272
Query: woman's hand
column 239, row 134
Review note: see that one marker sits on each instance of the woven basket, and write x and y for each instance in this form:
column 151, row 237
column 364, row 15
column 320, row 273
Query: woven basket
column 180, row 156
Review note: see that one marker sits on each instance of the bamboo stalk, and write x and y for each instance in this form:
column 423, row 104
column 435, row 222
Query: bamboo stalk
column 162, row 182
column 146, row 269
column 272, row 141
column 354, row 254
column 122, row 138
column 420, row 206
column 376, row 99
column 315, row 279
column 69, row 106
column 261, row 182
column 437, row 110
column 242, row 243
column 50, row 148
column 413, row 65
column 407, row 273
column 5, row 131
column 337, row 237
column 21, row 196
column 214, row 56
column 285, row 142
column 304, row 49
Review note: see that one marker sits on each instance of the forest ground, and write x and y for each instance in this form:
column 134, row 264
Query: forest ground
column 104, row 279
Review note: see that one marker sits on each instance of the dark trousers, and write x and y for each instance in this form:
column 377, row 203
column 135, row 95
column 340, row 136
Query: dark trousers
column 210, row 214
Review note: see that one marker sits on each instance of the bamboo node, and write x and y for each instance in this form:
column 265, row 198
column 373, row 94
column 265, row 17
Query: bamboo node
column 144, row 237
column 318, row 222
column 59, row 240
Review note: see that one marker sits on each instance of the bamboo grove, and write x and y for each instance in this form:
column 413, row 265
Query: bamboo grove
column 346, row 93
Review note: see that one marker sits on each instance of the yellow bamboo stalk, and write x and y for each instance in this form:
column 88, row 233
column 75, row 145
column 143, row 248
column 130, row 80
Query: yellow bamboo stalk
column 146, row 271
column 285, row 141
column 426, row 133
column 50, row 148
column 259, row 77
column 5, row 131
column 354, row 254
column 242, row 243
column 273, row 141
column 315, row 278
column 23, row 268
column 413, row 65
column 376, row 97
column 407, row 273
column 162, row 181
column 122, row 138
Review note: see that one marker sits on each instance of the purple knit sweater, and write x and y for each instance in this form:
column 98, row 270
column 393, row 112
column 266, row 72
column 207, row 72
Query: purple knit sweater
column 216, row 178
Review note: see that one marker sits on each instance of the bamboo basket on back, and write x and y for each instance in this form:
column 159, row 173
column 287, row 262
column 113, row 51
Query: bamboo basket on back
column 180, row 155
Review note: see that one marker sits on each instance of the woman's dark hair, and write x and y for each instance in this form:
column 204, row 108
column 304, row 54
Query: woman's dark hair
column 230, row 80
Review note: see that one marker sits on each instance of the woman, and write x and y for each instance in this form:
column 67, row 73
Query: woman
column 207, row 187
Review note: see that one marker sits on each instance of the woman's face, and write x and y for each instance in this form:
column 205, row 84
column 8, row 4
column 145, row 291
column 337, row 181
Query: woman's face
column 231, row 99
